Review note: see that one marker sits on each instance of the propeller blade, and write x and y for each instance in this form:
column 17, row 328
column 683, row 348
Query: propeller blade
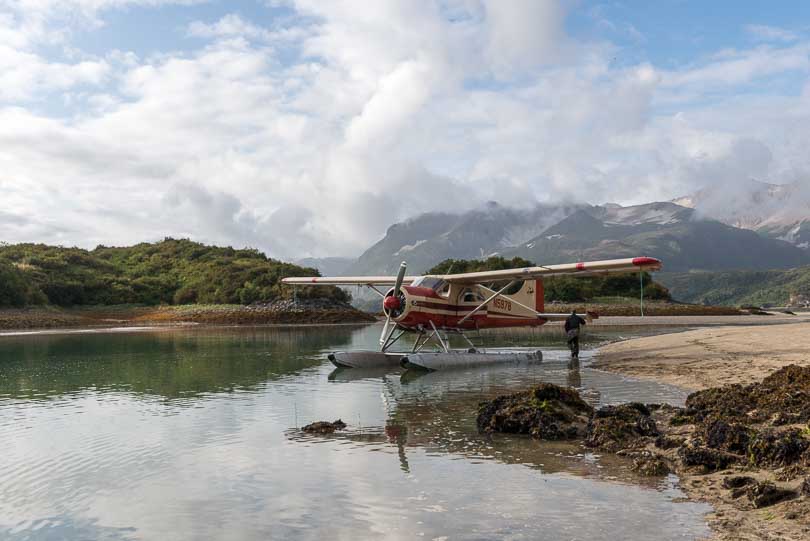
column 400, row 277
column 384, row 334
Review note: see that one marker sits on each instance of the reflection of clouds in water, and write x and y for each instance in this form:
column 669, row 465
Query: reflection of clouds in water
column 219, row 464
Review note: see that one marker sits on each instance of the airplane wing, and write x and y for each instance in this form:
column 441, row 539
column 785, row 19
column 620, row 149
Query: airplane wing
column 588, row 268
column 346, row 280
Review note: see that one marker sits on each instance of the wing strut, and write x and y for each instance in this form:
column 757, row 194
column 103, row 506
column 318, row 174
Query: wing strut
column 490, row 298
column 641, row 280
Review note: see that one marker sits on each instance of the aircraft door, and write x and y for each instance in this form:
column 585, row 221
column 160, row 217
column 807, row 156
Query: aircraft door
column 468, row 299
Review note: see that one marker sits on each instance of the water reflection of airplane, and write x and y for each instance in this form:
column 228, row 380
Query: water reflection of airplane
column 435, row 412
column 433, row 306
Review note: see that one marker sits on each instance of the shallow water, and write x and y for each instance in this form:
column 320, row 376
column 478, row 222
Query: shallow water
column 191, row 434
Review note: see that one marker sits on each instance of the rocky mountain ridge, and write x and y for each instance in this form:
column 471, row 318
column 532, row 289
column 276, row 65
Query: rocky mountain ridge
column 679, row 235
column 757, row 226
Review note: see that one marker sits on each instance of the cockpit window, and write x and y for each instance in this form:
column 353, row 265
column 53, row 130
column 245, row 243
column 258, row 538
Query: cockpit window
column 436, row 284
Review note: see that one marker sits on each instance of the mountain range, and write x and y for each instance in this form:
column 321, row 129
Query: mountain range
column 760, row 226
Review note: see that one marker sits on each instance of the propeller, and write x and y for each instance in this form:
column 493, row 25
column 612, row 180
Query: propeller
column 400, row 277
column 392, row 302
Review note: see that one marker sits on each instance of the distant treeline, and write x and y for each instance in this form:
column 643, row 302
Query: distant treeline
column 564, row 288
column 733, row 288
column 174, row 271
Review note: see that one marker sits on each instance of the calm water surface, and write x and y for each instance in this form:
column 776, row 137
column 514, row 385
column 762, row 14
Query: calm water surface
column 191, row 434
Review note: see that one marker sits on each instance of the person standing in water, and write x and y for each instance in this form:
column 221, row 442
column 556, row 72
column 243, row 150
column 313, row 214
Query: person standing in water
column 572, row 325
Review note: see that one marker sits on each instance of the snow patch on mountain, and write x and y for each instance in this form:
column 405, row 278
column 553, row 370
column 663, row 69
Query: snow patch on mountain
column 410, row 247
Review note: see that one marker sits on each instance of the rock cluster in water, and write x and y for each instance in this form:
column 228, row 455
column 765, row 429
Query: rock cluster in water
column 760, row 429
column 551, row 412
column 546, row 411
column 324, row 427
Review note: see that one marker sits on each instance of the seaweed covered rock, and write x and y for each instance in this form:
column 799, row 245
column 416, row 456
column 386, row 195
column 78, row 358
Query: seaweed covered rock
column 324, row 427
column 650, row 464
column 546, row 411
column 765, row 493
column 732, row 437
column 781, row 398
column 667, row 442
column 777, row 449
column 729, row 402
column 706, row 458
column 616, row 427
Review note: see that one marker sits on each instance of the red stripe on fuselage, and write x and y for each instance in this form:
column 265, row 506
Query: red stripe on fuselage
column 477, row 321
column 445, row 306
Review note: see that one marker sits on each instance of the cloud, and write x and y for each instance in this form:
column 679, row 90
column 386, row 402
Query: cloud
column 25, row 76
column 731, row 67
column 524, row 34
column 763, row 32
column 312, row 135
column 232, row 25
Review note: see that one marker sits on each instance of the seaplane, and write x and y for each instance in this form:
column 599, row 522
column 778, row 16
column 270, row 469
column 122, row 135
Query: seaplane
column 434, row 307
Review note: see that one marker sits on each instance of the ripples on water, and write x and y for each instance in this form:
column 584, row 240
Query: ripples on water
column 192, row 435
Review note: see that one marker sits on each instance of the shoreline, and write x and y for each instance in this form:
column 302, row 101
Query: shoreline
column 115, row 317
column 712, row 358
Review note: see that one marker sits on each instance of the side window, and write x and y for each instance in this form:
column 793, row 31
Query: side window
column 445, row 290
column 471, row 295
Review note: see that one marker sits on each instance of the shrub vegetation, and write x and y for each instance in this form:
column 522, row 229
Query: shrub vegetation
column 174, row 271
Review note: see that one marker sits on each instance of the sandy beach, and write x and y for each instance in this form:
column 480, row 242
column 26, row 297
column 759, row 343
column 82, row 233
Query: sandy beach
column 710, row 357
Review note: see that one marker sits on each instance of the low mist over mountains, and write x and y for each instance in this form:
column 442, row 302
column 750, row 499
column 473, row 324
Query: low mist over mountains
column 761, row 226
column 780, row 211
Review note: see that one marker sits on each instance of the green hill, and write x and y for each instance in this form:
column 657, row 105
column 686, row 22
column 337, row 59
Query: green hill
column 773, row 287
column 174, row 271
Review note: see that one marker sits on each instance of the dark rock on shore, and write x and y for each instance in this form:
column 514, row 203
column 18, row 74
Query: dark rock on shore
column 546, row 411
column 651, row 464
column 324, row 427
column 765, row 493
column 706, row 458
column 616, row 427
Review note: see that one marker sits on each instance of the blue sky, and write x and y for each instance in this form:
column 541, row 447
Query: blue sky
column 307, row 127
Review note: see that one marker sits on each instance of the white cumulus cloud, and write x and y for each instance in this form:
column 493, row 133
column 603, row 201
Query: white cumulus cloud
column 313, row 135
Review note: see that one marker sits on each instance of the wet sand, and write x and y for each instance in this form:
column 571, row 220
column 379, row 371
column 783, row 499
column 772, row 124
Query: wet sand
column 711, row 357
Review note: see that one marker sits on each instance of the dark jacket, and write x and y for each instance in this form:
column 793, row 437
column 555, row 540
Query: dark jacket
column 574, row 322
